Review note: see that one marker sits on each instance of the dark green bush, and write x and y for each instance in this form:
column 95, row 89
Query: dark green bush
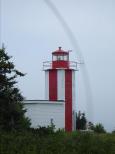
column 42, row 131
column 34, row 142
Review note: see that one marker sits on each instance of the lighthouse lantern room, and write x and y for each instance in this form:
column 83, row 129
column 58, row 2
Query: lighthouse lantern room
column 60, row 84
column 60, row 59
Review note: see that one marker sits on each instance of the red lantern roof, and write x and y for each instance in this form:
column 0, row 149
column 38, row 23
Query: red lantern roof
column 60, row 52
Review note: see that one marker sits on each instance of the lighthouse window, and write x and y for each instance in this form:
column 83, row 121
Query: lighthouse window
column 65, row 57
column 59, row 57
column 54, row 58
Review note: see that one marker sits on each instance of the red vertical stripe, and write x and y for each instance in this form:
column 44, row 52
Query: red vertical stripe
column 52, row 85
column 68, row 100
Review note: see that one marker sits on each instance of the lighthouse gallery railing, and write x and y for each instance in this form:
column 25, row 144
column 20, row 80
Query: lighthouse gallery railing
column 48, row 65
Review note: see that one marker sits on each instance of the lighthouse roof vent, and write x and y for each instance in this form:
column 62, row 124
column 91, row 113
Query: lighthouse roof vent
column 60, row 52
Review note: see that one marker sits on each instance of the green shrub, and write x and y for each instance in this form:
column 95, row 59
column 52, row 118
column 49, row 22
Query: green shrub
column 35, row 142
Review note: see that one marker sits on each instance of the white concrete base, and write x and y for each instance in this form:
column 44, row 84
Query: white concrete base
column 42, row 113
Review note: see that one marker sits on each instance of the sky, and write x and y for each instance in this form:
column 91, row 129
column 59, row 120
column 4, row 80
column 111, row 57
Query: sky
column 31, row 31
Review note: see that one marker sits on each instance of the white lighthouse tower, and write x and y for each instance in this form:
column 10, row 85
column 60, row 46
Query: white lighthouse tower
column 60, row 84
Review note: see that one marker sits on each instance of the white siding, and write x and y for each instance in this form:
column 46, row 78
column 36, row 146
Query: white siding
column 42, row 112
column 61, row 84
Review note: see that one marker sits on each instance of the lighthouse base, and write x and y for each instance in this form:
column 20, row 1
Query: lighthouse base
column 44, row 113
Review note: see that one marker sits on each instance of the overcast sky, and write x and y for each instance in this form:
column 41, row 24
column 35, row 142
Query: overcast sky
column 31, row 31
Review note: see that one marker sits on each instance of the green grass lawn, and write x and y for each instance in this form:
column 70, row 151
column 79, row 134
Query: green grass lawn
column 56, row 143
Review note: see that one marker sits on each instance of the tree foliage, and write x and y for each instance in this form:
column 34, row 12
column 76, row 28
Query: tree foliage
column 11, row 107
column 35, row 142
column 83, row 124
column 99, row 128
column 80, row 121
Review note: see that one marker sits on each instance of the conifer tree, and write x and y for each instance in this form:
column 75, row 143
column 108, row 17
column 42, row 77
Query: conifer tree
column 80, row 121
column 99, row 128
column 12, row 112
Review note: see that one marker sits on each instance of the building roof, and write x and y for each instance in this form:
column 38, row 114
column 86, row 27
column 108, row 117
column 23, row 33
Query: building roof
column 43, row 102
column 60, row 52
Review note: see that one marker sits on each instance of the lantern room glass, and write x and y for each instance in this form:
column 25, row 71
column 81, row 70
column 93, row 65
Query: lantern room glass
column 60, row 58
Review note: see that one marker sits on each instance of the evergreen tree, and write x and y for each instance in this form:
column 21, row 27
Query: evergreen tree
column 11, row 108
column 99, row 128
column 90, row 125
column 81, row 121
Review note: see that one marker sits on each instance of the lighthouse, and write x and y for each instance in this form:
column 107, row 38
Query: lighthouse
column 60, row 84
